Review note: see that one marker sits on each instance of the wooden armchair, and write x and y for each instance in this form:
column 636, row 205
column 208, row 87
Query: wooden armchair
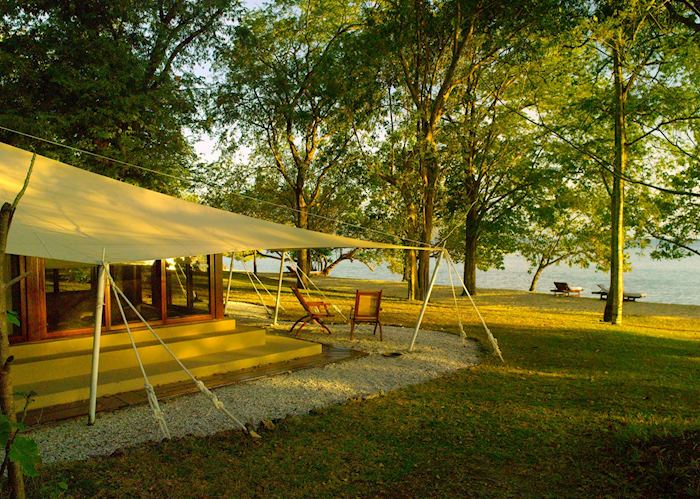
column 366, row 310
column 315, row 312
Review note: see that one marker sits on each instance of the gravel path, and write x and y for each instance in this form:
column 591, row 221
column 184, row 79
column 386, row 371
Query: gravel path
column 268, row 398
column 239, row 309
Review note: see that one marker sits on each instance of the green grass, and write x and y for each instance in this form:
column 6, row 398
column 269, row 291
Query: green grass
column 580, row 409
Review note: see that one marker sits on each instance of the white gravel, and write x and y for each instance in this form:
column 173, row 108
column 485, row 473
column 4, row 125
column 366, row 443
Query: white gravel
column 268, row 398
column 240, row 309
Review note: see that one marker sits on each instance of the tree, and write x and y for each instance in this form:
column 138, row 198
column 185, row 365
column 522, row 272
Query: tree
column 674, row 221
column 565, row 226
column 7, row 393
column 686, row 12
column 427, row 43
column 625, row 87
column 676, row 227
column 388, row 150
column 294, row 91
column 437, row 48
column 639, row 49
column 495, row 166
column 112, row 78
column 253, row 188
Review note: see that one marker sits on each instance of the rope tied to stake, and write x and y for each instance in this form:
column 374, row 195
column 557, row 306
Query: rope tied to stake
column 157, row 412
column 489, row 334
column 151, row 394
column 462, row 334
column 219, row 405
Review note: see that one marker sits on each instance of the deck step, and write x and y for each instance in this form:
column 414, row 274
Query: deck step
column 117, row 378
column 81, row 343
column 78, row 362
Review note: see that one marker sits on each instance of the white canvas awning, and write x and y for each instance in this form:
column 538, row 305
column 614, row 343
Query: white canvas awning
column 74, row 215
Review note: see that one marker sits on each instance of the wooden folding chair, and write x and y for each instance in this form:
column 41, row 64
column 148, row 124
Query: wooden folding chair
column 366, row 310
column 315, row 312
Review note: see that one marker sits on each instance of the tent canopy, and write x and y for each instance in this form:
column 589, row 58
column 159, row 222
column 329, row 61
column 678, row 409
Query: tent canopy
column 74, row 215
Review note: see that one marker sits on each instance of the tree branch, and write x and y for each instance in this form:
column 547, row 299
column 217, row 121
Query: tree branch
column 675, row 243
column 24, row 186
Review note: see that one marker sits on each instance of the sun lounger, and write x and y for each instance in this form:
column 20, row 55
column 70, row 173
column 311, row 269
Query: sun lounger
column 626, row 295
column 563, row 289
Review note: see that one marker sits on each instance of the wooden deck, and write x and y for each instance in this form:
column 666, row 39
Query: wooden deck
column 59, row 371
column 118, row 401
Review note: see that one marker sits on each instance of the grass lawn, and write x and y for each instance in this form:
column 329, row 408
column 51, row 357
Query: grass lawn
column 580, row 409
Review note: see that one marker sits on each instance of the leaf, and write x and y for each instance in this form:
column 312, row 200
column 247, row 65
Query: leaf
column 25, row 452
column 13, row 317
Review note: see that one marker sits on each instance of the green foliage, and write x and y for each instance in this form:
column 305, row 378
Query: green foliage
column 23, row 450
column 565, row 225
column 13, row 317
column 293, row 95
column 377, row 115
column 661, row 110
column 113, row 78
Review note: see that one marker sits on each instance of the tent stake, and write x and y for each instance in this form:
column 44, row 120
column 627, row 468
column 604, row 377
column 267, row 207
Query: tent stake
column 425, row 301
column 279, row 288
column 99, row 307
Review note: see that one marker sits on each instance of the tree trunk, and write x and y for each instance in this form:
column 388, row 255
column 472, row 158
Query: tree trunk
column 7, row 400
column 255, row 262
column 303, row 256
column 471, row 184
column 327, row 269
column 7, row 392
column 412, row 274
column 411, row 260
column 471, row 233
column 613, row 306
column 536, row 276
column 430, row 177
column 470, row 256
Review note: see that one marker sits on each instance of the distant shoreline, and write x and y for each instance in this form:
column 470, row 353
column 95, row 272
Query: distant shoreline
column 675, row 282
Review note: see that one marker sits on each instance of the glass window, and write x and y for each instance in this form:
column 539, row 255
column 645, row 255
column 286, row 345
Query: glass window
column 187, row 286
column 70, row 296
column 140, row 282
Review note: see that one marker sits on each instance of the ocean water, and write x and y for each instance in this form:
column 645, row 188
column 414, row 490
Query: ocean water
column 664, row 281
